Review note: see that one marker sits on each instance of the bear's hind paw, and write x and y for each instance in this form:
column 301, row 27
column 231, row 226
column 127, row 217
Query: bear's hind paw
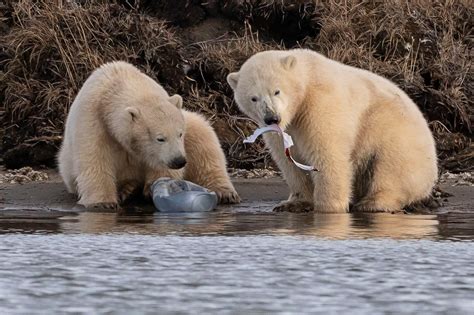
column 372, row 206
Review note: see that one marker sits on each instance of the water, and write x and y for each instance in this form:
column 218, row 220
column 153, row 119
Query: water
column 237, row 262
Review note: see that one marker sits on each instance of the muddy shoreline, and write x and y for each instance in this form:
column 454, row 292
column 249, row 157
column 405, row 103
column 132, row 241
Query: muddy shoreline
column 41, row 198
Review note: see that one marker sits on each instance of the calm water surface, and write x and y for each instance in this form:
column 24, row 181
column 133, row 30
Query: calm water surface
column 234, row 262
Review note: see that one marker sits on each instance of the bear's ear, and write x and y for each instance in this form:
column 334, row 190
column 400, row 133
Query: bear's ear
column 232, row 79
column 176, row 100
column 133, row 111
column 288, row 62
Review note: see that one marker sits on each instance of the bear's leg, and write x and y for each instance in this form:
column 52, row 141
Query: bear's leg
column 333, row 183
column 300, row 185
column 96, row 187
column 386, row 190
column 404, row 168
column 96, row 182
column 299, row 182
column 66, row 167
column 403, row 173
column 206, row 164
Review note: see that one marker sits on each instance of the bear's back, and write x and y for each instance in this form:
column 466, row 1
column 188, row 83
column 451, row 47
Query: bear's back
column 129, row 77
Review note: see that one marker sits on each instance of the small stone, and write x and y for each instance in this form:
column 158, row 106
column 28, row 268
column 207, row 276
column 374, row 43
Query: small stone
column 23, row 175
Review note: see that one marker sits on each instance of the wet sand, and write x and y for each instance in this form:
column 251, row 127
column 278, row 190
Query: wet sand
column 44, row 197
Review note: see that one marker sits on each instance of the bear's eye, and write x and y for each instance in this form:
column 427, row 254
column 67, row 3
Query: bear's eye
column 277, row 92
column 180, row 134
column 254, row 99
column 161, row 139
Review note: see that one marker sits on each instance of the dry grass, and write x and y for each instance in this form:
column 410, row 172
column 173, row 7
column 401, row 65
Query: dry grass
column 426, row 49
column 49, row 51
column 287, row 21
column 52, row 50
column 212, row 62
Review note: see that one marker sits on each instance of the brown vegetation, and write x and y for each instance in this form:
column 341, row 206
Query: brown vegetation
column 47, row 51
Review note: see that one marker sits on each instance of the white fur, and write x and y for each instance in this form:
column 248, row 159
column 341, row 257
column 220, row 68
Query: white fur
column 369, row 140
column 111, row 141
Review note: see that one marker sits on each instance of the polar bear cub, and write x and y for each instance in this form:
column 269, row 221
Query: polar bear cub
column 369, row 140
column 124, row 131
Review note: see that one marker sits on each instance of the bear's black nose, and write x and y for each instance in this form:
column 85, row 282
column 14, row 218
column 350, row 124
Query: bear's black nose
column 177, row 163
column 271, row 118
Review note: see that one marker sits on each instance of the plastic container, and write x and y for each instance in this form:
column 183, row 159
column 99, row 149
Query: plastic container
column 171, row 195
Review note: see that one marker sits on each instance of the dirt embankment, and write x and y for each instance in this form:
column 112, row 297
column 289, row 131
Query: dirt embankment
column 48, row 50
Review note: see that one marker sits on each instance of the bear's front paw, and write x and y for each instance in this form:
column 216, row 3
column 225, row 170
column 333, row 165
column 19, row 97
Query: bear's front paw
column 147, row 190
column 107, row 206
column 126, row 190
column 294, row 206
column 227, row 196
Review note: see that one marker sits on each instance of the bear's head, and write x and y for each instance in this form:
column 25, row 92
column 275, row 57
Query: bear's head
column 155, row 133
column 268, row 87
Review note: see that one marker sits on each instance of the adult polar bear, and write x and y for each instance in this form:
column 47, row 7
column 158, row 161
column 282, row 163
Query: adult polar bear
column 369, row 140
column 124, row 131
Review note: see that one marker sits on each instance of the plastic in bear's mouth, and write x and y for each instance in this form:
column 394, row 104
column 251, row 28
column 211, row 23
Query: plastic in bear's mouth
column 287, row 142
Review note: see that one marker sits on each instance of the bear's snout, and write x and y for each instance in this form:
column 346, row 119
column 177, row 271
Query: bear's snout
column 271, row 118
column 177, row 163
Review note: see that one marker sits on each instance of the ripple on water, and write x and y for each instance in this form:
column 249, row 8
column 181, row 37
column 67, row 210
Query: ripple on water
column 229, row 263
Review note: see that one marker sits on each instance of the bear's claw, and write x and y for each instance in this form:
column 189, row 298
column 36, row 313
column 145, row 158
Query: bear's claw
column 372, row 208
column 297, row 206
column 374, row 205
column 228, row 197
column 104, row 205
column 126, row 191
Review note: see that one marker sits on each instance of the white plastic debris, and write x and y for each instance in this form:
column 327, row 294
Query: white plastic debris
column 287, row 143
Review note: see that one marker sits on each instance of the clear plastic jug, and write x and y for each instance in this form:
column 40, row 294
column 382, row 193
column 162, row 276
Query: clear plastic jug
column 172, row 195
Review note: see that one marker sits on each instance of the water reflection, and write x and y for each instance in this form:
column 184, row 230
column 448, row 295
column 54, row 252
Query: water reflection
column 339, row 226
column 230, row 222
